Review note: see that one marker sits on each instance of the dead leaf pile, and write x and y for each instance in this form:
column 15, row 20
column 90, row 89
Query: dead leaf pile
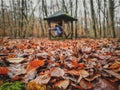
column 67, row 64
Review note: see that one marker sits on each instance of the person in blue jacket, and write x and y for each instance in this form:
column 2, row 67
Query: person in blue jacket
column 58, row 30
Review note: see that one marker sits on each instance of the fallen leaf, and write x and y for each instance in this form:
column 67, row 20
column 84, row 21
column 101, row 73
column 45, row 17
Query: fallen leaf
column 115, row 65
column 15, row 60
column 4, row 70
column 35, row 64
column 30, row 75
column 83, row 73
column 92, row 78
column 35, row 86
column 42, row 79
column 86, row 85
column 57, row 72
column 62, row 84
column 73, row 72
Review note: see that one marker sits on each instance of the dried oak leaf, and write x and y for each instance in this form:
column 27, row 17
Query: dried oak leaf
column 83, row 73
column 42, row 79
column 35, row 86
column 57, row 72
column 74, row 64
column 62, row 84
column 115, row 65
column 86, row 85
column 35, row 64
column 4, row 70
column 12, row 55
column 103, row 84
column 92, row 78
column 73, row 72
column 117, row 52
column 15, row 60
column 30, row 75
column 86, row 49
column 16, row 69
column 30, row 51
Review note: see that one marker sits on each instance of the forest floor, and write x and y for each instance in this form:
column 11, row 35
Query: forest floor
column 43, row 64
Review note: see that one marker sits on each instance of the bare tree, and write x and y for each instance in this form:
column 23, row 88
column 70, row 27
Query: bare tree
column 44, row 7
column 93, row 17
column 64, row 7
column 71, row 7
column 3, row 16
column 111, row 12
column 85, row 17
column 99, row 11
column 76, row 15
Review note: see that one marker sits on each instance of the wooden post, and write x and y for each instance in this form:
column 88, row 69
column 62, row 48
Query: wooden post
column 49, row 31
column 63, row 26
column 76, row 27
column 71, row 29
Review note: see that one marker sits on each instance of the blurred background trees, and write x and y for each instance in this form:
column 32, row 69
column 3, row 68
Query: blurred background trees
column 24, row 18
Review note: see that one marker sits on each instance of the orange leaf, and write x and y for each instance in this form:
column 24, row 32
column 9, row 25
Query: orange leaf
column 35, row 64
column 75, row 63
column 115, row 65
column 73, row 72
column 15, row 78
column 4, row 70
column 81, row 65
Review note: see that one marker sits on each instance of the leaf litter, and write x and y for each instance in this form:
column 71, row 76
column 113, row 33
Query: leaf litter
column 83, row 64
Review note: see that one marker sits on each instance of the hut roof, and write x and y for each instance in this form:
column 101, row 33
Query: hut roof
column 60, row 15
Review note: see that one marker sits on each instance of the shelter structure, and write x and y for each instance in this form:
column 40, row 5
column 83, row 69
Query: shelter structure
column 61, row 18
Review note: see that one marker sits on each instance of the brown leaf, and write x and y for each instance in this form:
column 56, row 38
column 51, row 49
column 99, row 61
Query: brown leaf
column 62, row 83
column 57, row 72
column 15, row 60
column 42, row 79
column 86, row 85
column 93, row 77
column 73, row 72
column 115, row 65
column 83, row 73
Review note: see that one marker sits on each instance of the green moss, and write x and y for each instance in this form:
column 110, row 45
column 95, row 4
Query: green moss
column 12, row 86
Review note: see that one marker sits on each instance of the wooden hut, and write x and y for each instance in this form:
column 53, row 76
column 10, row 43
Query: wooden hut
column 62, row 18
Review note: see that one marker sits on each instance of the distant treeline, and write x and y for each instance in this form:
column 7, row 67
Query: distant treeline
column 24, row 18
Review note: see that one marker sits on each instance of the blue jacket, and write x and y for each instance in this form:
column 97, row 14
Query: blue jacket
column 58, row 30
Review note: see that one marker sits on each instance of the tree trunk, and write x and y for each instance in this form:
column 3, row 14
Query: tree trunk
column 99, row 7
column 64, row 7
column 76, row 23
column 44, row 7
column 71, row 7
column 57, row 3
column 40, row 21
column 3, row 16
column 15, row 20
column 85, row 17
column 93, row 17
column 112, row 15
